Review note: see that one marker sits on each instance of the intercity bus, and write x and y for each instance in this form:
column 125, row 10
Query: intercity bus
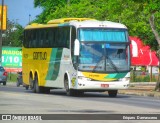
column 76, row 54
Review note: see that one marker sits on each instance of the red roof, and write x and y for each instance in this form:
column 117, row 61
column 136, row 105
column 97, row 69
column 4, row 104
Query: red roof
column 141, row 55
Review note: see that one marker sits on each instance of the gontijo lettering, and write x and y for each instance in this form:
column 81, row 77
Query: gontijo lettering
column 39, row 55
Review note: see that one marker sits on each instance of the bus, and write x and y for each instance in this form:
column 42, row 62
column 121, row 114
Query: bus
column 76, row 54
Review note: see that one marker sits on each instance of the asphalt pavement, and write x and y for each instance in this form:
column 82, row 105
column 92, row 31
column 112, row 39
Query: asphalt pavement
column 138, row 88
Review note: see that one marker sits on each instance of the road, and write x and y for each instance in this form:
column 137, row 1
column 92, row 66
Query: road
column 17, row 100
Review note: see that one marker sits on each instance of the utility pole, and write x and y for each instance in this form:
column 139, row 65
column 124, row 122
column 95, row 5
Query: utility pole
column 1, row 32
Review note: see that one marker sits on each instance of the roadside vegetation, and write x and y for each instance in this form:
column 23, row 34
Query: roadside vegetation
column 138, row 77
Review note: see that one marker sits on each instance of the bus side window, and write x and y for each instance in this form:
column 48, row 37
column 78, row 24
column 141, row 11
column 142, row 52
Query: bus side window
column 46, row 40
column 59, row 36
column 31, row 39
column 34, row 38
column 41, row 41
column 26, row 39
column 66, row 36
column 56, row 39
column 50, row 37
column 36, row 42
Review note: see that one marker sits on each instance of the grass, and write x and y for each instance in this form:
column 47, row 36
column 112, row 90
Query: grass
column 143, row 78
column 12, row 77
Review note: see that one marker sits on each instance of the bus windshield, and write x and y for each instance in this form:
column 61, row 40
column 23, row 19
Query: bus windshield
column 104, row 57
column 99, row 54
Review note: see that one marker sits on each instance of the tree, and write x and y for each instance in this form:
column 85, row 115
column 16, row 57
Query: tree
column 153, row 9
column 49, row 7
column 129, row 12
column 13, row 36
column 152, row 12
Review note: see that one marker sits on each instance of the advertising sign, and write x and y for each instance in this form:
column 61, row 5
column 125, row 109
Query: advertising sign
column 12, row 58
column 4, row 17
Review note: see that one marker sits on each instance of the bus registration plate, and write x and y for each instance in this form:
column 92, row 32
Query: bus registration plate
column 104, row 85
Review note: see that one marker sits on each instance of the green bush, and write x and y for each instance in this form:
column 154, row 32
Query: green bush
column 142, row 78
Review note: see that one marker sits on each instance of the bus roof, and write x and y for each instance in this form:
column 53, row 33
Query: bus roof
column 77, row 22
column 67, row 20
column 96, row 23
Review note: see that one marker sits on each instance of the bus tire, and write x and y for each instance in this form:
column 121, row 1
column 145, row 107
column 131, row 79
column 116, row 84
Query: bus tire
column 33, row 86
column 112, row 93
column 31, row 82
column 37, row 88
column 69, row 92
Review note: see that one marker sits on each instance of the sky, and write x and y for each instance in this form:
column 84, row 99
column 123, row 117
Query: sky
column 19, row 11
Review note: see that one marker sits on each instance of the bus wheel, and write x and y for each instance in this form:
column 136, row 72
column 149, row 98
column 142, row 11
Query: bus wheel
column 36, row 87
column 31, row 82
column 69, row 92
column 112, row 93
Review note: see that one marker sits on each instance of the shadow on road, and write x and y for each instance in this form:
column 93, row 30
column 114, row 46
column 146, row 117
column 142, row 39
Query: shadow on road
column 88, row 94
column 60, row 92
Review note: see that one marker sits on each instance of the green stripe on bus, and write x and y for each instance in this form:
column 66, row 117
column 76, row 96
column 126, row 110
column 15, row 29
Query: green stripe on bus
column 54, row 64
column 120, row 75
column 116, row 76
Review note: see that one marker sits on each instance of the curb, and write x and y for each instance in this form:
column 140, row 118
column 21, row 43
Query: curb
column 141, row 89
column 138, row 92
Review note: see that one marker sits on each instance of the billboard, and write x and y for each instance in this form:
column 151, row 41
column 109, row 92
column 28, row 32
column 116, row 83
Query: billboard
column 4, row 17
column 12, row 58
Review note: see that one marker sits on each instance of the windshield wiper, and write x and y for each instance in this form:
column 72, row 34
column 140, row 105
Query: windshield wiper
column 113, row 65
column 111, row 62
column 102, row 57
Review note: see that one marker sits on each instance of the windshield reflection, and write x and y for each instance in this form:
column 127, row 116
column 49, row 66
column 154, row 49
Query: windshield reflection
column 104, row 57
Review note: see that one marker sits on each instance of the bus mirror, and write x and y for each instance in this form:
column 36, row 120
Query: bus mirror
column 76, row 47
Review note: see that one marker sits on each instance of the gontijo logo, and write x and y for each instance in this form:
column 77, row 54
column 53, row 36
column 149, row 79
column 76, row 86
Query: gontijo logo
column 39, row 55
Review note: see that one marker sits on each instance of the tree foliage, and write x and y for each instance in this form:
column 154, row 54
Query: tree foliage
column 13, row 36
column 134, row 14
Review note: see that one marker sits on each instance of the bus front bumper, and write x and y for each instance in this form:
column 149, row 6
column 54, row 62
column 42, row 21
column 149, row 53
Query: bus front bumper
column 98, row 85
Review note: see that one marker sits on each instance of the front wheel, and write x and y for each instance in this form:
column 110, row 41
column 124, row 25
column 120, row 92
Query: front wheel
column 112, row 93
column 69, row 92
